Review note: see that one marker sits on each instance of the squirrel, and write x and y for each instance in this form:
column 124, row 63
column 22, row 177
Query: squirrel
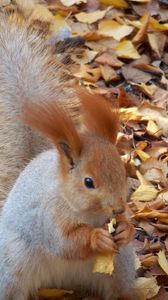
column 52, row 225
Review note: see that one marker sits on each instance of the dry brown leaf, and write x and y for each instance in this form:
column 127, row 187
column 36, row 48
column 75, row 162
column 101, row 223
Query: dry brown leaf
column 156, row 114
column 155, row 170
column 163, row 262
column 109, row 59
column 130, row 73
column 115, row 3
column 126, row 49
column 141, row 34
column 110, row 28
column 108, row 73
column 91, row 17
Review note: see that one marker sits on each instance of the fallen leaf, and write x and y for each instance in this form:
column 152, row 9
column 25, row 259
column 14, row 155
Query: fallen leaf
column 110, row 28
column 158, row 26
column 147, row 286
column 147, row 212
column 141, row 34
column 145, row 192
column 115, row 3
column 108, row 73
column 91, row 17
column 88, row 73
column 163, row 262
column 153, row 129
column 105, row 262
column 109, row 59
column 130, row 73
column 52, row 293
column 72, row 2
column 85, row 57
column 126, row 49
column 143, row 155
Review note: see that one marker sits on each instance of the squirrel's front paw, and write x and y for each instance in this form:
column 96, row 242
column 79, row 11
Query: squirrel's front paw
column 102, row 241
column 124, row 232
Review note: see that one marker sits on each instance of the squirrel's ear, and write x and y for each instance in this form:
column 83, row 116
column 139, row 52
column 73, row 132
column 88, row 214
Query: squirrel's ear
column 99, row 115
column 51, row 120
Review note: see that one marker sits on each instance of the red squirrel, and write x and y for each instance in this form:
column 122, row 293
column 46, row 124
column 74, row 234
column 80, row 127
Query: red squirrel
column 53, row 222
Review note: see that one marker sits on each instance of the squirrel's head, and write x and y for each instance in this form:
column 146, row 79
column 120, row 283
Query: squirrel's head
column 92, row 176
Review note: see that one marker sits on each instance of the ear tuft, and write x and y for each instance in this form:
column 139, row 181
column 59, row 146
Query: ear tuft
column 100, row 117
column 51, row 120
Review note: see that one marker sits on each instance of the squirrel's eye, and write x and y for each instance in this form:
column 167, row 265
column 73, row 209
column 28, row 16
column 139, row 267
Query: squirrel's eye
column 89, row 182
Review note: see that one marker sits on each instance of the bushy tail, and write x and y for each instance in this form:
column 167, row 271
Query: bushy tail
column 29, row 71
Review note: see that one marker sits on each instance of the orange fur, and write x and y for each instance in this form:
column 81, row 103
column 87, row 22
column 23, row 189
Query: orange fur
column 80, row 238
column 99, row 116
column 52, row 120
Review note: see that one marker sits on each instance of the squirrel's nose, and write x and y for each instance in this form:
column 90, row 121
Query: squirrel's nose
column 119, row 210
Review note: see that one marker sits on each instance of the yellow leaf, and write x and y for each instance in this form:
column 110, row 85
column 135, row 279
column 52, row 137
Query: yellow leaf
column 126, row 49
column 60, row 22
column 153, row 42
column 110, row 28
column 143, row 155
column 88, row 73
column 104, row 263
column 163, row 262
column 140, row 1
column 91, row 17
column 147, row 212
column 115, row 3
column 148, row 89
column 145, row 192
column 72, row 2
column 147, row 286
column 52, row 293
column 86, row 57
column 130, row 114
column 153, row 129
column 156, row 25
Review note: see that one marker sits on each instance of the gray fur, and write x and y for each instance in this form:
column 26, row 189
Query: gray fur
column 28, row 72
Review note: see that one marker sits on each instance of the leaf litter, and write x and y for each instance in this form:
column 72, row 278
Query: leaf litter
column 124, row 57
